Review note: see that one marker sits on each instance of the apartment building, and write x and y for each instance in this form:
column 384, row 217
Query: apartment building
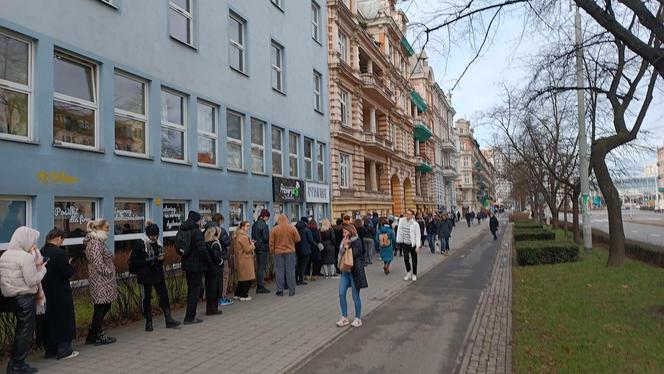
column 475, row 185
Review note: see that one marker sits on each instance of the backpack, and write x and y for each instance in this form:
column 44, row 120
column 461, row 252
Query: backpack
column 182, row 242
column 384, row 240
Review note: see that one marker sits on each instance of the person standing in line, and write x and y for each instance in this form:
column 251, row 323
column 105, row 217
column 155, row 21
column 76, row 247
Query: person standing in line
column 260, row 233
column 329, row 239
column 60, row 324
column 408, row 236
column 243, row 248
column 225, row 241
column 432, row 230
column 367, row 236
column 313, row 266
column 21, row 272
column 338, row 236
column 283, row 239
column 102, row 283
column 493, row 226
column 214, row 270
column 147, row 262
column 195, row 260
column 356, row 278
column 445, row 232
column 386, row 242
column 303, row 248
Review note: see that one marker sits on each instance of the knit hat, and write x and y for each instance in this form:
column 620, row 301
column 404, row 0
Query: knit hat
column 304, row 219
column 152, row 230
column 194, row 216
column 264, row 213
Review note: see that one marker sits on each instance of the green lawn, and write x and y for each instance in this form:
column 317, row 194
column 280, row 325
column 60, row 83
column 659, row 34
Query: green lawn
column 583, row 317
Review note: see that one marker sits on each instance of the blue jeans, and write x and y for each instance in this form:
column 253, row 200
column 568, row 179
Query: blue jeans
column 346, row 281
column 432, row 243
column 444, row 244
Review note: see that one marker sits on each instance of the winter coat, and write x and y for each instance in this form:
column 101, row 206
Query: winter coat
column 493, row 224
column 198, row 259
column 386, row 253
column 422, row 227
column 244, row 257
column 315, row 252
column 304, row 247
column 445, row 228
column 60, row 317
column 145, row 259
column 357, row 271
column 432, row 227
column 329, row 239
column 414, row 229
column 101, row 270
column 284, row 237
column 18, row 271
column 214, row 248
column 260, row 233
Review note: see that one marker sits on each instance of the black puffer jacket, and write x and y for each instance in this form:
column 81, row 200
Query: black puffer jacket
column 260, row 233
column 329, row 240
column 145, row 259
column 198, row 258
column 304, row 247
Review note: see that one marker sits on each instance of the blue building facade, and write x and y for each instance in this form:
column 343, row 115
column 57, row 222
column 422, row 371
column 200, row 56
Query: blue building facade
column 139, row 111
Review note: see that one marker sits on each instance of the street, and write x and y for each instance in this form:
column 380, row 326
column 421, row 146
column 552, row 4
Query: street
column 639, row 225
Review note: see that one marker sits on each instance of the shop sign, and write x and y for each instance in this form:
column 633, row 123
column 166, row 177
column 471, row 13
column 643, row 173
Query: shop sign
column 286, row 190
column 317, row 193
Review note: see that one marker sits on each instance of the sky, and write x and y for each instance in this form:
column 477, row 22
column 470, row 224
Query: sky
column 502, row 60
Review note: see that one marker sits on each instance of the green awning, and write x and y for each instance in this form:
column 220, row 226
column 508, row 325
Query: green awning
column 418, row 101
column 421, row 133
column 409, row 49
column 424, row 168
column 661, row 189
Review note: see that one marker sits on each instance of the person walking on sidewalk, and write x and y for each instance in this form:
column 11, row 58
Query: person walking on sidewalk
column 355, row 279
column 386, row 242
column 147, row 262
column 410, row 241
column 195, row 261
column 303, row 249
column 260, row 233
column 283, row 239
column 432, row 232
column 328, row 259
column 469, row 218
column 214, row 270
column 243, row 248
column 493, row 226
column 445, row 232
column 101, row 277
column 225, row 241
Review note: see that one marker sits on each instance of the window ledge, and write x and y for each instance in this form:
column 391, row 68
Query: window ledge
column 319, row 112
column 317, row 41
column 260, row 174
column 240, row 171
column 177, row 162
column 278, row 7
column 112, row 5
column 19, row 140
column 184, row 44
column 278, row 91
column 208, row 166
column 240, row 71
column 74, row 147
column 134, row 155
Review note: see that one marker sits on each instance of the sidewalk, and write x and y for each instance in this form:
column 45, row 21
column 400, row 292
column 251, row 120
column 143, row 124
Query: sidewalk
column 266, row 335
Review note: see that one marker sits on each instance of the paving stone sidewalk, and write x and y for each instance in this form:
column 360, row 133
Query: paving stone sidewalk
column 487, row 347
column 266, row 335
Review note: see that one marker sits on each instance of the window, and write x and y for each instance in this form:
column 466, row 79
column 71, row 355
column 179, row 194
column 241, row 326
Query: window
column 14, row 213
column 293, row 212
column 315, row 21
column 393, row 133
column 277, row 153
column 258, row 206
column 72, row 216
column 344, row 170
column 466, row 179
column 74, row 101
column 235, row 214
column 234, row 132
column 180, row 17
column 277, row 61
column 277, row 209
column 278, row 3
column 15, row 87
column 207, row 133
column 130, row 219
column 293, row 150
column 320, row 162
column 344, row 101
column 342, row 46
column 207, row 209
column 130, row 114
column 318, row 85
column 173, row 126
column 174, row 214
column 308, row 158
column 236, row 32
column 257, row 146
column 466, row 162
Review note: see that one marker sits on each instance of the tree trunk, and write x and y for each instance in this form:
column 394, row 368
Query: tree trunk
column 610, row 193
column 575, row 213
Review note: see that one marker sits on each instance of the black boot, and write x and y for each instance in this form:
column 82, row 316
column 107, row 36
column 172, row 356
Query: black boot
column 90, row 339
column 148, row 323
column 102, row 339
column 170, row 322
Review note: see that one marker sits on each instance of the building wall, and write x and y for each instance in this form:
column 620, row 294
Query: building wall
column 660, row 178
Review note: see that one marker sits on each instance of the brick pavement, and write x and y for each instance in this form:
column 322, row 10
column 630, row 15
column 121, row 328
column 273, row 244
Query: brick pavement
column 266, row 335
column 487, row 347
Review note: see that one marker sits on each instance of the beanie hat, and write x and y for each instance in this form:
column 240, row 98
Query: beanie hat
column 194, row 216
column 304, row 219
column 152, row 230
column 264, row 213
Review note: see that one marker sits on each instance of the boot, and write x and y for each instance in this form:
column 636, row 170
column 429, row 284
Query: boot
column 212, row 309
column 170, row 322
column 148, row 323
column 90, row 339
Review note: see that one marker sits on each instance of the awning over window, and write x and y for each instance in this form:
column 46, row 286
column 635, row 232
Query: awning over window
column 418, row 101
column 424, row 168
column 409, row 49
column 421, row 133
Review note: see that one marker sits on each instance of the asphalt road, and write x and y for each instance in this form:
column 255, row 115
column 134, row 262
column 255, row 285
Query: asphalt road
column 649, row 233
column 422, row 329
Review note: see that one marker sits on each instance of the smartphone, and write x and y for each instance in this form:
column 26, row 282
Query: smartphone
column 46, row 258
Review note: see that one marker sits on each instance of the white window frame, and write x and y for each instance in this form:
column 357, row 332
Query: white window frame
column 308, row 160
column 345, row 105
column 20, row 88
column 318, row 91
column 217, row 205
column 135, row 116
column 77, row 241
column 170, row 234
column 279, row 67
column 210, row 135
column 296, row 155
column 187, row 14
column 174, row 126
column 263, row 125
column 279, row 152
column 28, row 212
column 342, row 46
column 239, row 44
column 94, row 106
column 320, row 161
column 315, row 21
column 239, row 142
column 125, row 237
column 344, row 170
column 243, row 206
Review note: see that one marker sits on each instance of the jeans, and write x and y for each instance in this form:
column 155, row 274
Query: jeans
column 194, row 283
column 346, row 281
column 25, row 313
column 302, row 262
column 223, row 280
column 162, row 293
column 98, row 314
column 284, row 265
column 261, row 264
column 432, row 243
column 444, row 243
column 409, row 251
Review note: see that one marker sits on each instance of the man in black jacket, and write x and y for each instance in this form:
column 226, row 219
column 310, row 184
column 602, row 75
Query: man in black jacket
column 303, row 250
column 260, row 233
column 194, row 264
column 493, row 225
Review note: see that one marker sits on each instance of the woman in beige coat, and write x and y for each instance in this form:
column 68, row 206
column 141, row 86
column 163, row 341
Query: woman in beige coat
column 243, row 248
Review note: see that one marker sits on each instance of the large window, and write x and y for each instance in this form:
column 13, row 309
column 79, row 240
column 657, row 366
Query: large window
column 318, row 89
column 74, row 101
column 293, row 212
column 277, row 152
column 277, row 61
column 342, row 46
column 308, row 158
column 72, row 216
column 320, row 162
column 344, row 170
column 235, row 214
column 130, row 219
column 14, row 213
column 258, row 206
column 130, row 114
column 344, row 102
column 173, row 126
column 207, row 133
column 207, row 209
column 236, row 31
column 257, row 146
column 293, row 150
column 234, row 132
column 15, row 87
column 315, row 21
column 173, row 215
column 181, row 19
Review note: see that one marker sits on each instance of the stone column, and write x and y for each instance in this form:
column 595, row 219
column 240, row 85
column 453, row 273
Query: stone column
column 372, row 120
column 372, row 176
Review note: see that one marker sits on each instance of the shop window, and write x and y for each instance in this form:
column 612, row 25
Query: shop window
column 173, row 215
column 235, row 214
column 14, row 213
column 258, row 206
column 207, row 209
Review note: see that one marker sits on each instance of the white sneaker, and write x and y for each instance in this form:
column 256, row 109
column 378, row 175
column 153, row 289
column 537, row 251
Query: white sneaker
column 414, row 278
column 248, row 298
column 408, row 276
column 72, row 355
column 343, row 321
column 357, row 323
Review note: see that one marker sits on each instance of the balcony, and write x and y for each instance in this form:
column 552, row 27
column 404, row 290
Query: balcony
column 377, row 143
column 421, row 133
column 448, row 146
column 373, row 86
column 450, row 171
column 423, row 164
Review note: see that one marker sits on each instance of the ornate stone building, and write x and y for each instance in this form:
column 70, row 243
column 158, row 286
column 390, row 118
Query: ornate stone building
column 475, row 186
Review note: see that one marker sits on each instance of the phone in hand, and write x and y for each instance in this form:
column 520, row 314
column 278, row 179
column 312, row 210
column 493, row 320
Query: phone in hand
column 46, row 258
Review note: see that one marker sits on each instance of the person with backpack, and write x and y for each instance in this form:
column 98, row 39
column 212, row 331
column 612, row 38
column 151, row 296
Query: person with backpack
column 225, row 241
column 386, row 242
column 147, row 262
column 260, row 233
column 444, row 233
column 190, row 245
column 303, row 250
column 214, row 270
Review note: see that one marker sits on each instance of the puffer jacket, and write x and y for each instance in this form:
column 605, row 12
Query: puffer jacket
column 307, row 244
column 18, row 272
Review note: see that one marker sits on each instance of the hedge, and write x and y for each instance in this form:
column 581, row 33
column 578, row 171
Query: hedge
column 644, row 252
column 546, row 252
column 528, row 225
column 519, row 216
column 521, row 235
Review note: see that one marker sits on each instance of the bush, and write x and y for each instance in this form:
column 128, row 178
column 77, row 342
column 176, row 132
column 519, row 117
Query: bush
column 528, row 224
column 546, row 252
column 519, row 216
column 522, row 235
column 637, row 250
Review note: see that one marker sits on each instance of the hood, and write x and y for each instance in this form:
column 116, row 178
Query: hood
column 188, row 225
column 385, row 228
column 23, row 239
column 282, row 220
column 300, row 225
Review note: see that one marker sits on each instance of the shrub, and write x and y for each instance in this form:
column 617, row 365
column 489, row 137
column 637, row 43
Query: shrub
column 519, row 216
column 637, row 250
column 546, row 252
column 528, row 225
column 521, row 235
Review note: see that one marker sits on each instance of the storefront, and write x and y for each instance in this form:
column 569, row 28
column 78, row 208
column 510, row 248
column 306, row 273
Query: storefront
column 317, row 196
column 288, row 196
